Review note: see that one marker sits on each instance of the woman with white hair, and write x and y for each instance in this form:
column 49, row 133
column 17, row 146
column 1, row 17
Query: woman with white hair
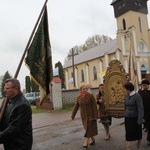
column 88, row 111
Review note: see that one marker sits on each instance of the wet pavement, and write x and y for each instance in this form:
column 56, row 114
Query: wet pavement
column 46, row 119
column 56, row 131
column 68, row 135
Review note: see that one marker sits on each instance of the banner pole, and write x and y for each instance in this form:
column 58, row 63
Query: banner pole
column 18, row 69
column 29, row 41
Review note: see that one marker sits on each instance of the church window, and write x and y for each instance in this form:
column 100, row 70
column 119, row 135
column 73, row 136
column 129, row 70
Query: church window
column 124, row 24
column 123, row 4
column 140, row 4
column 94, row 73
column 140, row 24
column 136, row 3
column 119, row 7
column 142, row 47
column 82, row 75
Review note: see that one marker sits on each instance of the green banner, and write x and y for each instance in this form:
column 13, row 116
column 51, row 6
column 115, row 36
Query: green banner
column 39, row 57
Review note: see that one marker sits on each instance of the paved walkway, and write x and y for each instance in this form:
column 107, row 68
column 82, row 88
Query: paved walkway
column 56, row 131
column 60, row 133
column 41, row 120
column 46, row 119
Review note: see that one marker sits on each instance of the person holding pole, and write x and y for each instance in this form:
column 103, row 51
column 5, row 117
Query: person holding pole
column 16, row 118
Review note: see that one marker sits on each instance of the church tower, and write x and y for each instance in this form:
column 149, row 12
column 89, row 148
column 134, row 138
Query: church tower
column 133, row 32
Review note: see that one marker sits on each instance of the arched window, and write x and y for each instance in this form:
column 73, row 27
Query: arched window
column 94, row 73
column 142, row 47
column 124, row 24
column 136, row 3
column 140, row 4
column 123, row 4
column 82, row 75
column 119, row 6
column 140, row 24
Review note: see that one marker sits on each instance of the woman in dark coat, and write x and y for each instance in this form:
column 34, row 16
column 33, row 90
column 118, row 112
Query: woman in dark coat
column 88, row 112
column 133, row 116
column 105, row 120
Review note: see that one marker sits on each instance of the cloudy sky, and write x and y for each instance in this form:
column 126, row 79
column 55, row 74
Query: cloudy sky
column 71, row 22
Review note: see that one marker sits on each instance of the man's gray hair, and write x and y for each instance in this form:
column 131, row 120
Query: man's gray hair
column 14, row 81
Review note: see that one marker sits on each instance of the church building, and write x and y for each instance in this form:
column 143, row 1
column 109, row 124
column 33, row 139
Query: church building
column 133, row 33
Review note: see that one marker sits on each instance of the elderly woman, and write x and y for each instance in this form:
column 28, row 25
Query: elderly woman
column 88, row 112
column 133, row 116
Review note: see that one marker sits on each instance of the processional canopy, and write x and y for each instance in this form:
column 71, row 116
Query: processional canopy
column 114, row 93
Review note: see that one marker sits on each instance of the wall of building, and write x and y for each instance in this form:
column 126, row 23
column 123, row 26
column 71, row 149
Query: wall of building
column 69, row 96
column 101, row 65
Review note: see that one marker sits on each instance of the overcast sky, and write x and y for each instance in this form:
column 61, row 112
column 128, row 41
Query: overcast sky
column 71, row 22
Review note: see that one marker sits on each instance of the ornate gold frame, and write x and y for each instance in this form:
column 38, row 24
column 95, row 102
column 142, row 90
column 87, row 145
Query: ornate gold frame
column 114, row 92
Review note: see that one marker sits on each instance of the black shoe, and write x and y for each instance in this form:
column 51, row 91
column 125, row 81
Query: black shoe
column 145, row 130
column 148, row 143
column 85, row 147
column 93, row 142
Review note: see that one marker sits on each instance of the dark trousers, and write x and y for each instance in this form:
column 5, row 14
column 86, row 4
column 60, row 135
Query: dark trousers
column 148, row 129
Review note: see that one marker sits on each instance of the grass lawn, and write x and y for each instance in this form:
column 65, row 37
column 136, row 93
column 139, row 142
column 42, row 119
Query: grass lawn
column 66, row 108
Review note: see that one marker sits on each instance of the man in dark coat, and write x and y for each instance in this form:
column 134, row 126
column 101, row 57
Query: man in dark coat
column 145, row 94
column 16, row 122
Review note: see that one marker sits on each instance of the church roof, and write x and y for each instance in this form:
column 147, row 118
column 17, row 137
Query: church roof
column 93, row 53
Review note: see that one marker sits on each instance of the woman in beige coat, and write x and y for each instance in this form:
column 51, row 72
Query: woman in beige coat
column 88, row 112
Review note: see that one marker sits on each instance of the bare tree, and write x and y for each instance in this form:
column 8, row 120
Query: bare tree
column 91, row 42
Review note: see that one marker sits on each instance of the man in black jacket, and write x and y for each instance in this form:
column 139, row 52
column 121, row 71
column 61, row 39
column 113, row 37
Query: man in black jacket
column 145, row 94
column 16, row 122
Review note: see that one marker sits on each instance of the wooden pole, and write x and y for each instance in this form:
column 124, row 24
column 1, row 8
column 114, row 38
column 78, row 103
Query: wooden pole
column 3, row 109
column 31, row 36
column 74, row 82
